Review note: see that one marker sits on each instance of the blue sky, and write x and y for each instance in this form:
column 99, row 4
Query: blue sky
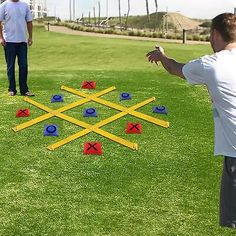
column 204, row 9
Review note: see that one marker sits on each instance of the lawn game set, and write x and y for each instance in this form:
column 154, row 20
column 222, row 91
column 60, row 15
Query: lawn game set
column 91, row 147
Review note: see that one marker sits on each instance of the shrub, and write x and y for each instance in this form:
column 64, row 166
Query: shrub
column 123, row 33
column 140, row 33
column 189, row 37
column 179, row 36
column 109, row 31
column 131, row 33
column 155, row 35
column 169, row 36
column 207, row 38
column 196, row 37
column 148, row 34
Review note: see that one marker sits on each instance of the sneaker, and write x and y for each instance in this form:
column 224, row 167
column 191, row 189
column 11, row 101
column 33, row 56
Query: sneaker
column 11, row 93
column 28, row 94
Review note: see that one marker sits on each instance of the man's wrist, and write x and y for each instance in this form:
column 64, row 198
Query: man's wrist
column 162, row 57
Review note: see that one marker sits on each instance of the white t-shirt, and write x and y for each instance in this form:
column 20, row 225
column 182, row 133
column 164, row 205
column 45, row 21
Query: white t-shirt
column 218, row 73
column 15, row 15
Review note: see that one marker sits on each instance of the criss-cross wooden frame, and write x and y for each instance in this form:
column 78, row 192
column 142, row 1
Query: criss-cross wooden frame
column 88, row 127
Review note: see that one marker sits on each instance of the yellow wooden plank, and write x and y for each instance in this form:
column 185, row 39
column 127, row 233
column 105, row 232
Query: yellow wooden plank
column 137, row 114
column 58, row 114
column 101, row 101
column 67, row 140
column 119, row 140
column 82, row 124
column 32, row 122
column 39, row 105
column 123, row 113
column 150, row 119
column 99, row 94
column 95, row 128
column 63, row 109
column 90, row 128
column 87, row 98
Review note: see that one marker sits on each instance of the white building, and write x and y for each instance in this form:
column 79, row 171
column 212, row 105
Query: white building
column 38, row 7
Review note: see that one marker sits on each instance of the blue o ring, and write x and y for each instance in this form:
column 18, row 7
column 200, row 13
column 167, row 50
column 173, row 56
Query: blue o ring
column 125, row 95
column 51, row 129
column 91, row 111
column 57, row 97
column 161, row 108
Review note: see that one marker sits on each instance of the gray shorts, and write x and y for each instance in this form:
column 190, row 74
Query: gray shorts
column 228, row 194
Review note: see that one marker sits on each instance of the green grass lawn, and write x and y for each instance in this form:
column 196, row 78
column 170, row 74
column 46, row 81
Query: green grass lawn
column 170, row 186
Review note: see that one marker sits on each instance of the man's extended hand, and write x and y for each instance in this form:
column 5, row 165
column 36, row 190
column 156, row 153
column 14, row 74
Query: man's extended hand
column 30, row 41
column 3, row 42
column 156, row 55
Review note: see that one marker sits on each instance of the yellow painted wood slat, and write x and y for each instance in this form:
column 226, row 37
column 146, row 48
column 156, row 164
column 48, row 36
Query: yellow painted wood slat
column 137, row 114
column 102, row 123
column 81, row 124
column 63, row 109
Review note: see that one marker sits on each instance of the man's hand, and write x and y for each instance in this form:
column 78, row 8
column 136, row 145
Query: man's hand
column 3, row 42
column 171, row 65
column 156, row 55
column 30, row 41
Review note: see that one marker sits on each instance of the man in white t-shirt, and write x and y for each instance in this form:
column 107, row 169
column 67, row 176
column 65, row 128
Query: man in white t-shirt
column 218, row 73
column 17, row 19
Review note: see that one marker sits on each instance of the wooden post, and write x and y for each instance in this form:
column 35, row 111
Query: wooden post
column 184, row 36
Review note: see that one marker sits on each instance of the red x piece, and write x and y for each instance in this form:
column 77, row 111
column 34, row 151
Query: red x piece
column 93, row 148
column 88, row 85
column 23, row 113
column 134, row 128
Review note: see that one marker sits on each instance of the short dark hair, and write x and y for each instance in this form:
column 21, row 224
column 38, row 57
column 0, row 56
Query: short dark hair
column 225, row 24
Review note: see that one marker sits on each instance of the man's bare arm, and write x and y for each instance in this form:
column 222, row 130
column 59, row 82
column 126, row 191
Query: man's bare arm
column 30, row 32
column 171, row 65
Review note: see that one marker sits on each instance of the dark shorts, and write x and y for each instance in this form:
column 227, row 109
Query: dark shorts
column 228, row 194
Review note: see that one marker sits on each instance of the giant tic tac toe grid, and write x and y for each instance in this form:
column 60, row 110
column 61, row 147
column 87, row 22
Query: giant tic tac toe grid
column 88, row 127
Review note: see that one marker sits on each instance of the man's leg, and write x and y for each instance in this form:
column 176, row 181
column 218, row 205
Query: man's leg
column 23, row 67
column 228, row 194
column 10, row 56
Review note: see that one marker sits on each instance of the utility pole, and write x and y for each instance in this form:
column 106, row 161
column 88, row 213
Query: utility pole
column 70, row 9
column 73, row 10
column 156, row 5
column 127, row 15
column 94, row 14
column 107, row 8
column 119, row 13
column 99, row 13
column 148, row 16
column 89, row 18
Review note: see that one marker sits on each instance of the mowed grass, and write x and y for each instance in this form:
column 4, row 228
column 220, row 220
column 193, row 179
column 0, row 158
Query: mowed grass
column 170, row 186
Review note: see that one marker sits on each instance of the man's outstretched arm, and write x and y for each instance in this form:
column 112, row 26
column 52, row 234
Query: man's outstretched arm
column 171, row 65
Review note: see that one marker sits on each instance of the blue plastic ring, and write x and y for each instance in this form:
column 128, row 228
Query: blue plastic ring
column 90, row 111
column 51, row 129
column 125, row 95
column 57, row 97
column 162, row 108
